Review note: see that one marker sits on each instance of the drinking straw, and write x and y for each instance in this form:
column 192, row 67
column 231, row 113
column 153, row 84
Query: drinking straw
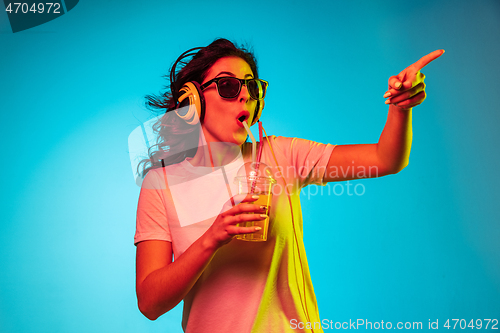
column 254, row 143
column 261, row 143
column 259, row 156
column 255, row 163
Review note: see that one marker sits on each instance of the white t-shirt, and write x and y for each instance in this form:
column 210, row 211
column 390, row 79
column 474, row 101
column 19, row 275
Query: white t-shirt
column 248, row 286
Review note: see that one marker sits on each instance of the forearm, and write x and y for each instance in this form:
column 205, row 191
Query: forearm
column 394, row 145
column 164, row 288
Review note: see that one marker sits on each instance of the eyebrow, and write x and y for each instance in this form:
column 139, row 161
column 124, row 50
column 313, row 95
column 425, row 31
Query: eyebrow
column 231, row 74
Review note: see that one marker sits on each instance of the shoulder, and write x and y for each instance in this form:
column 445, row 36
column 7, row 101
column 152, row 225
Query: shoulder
column 272, row 142
column 159, row 173
column 289, row 144
column 278, row 141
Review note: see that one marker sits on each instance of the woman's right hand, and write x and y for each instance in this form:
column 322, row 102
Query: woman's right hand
column 236, row 210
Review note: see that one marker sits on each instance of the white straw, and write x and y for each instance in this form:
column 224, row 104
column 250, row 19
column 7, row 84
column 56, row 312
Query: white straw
column 254, row 143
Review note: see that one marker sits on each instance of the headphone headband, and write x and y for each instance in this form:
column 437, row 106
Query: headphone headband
column 173, row 88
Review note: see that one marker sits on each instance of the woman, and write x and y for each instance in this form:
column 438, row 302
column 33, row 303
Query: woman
column 230, row 285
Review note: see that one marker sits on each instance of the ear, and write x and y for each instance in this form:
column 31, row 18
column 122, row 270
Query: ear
column 191, row 103
column 258, row 111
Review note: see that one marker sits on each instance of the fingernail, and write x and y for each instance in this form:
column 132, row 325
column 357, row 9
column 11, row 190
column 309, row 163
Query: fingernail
column 263, row 207
column 258, row 228
column 387, row 94
column 263, row 215
column 387, row 102
column 398, row 85
column 255, row 196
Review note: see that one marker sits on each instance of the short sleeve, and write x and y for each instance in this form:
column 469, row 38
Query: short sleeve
column 308, row 158
column 151, row 221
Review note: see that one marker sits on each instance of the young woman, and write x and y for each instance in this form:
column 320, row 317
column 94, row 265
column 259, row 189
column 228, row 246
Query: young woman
column 229, row 285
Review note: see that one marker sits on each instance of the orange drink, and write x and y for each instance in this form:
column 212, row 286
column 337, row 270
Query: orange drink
column 256, row 179
column 261, row 235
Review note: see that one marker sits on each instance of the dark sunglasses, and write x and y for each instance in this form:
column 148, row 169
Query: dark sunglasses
column 230, row 87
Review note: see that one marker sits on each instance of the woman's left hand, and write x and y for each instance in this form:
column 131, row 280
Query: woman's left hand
column 407, row 89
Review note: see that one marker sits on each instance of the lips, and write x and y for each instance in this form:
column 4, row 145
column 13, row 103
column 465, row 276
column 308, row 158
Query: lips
column 241, row 117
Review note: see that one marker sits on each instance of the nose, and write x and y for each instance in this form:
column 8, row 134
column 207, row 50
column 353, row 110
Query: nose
column 245, row 98
column 244, row 95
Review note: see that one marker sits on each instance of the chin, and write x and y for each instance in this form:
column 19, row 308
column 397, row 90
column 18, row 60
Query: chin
column 240, row 139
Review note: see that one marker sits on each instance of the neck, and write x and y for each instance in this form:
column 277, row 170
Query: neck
column 214, row 154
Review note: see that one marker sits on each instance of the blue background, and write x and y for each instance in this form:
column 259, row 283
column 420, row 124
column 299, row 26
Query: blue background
column 419, row 245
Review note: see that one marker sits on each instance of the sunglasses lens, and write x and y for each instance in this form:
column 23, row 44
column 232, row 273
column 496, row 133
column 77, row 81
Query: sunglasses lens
column 257, row 89
column 229, row 87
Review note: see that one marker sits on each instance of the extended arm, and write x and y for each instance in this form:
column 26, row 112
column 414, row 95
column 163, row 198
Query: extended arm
column 388, row 156
column 391, row 153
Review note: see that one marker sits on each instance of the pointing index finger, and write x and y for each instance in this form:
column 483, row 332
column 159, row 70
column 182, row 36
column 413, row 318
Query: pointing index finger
column 425, row 60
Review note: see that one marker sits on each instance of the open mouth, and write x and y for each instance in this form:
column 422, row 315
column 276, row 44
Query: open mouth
column 243, row 116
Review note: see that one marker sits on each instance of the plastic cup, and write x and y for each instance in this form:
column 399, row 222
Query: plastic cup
column 256, row 182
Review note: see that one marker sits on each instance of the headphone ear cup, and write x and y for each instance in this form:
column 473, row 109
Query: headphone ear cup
column 191, row 103
column 258, row 111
